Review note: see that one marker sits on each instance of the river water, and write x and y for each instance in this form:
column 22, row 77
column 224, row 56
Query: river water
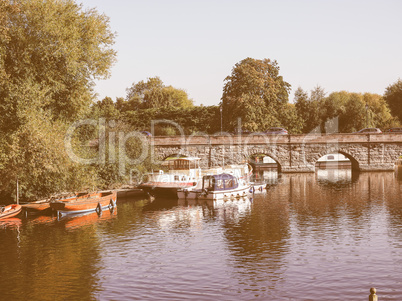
column 325, row 236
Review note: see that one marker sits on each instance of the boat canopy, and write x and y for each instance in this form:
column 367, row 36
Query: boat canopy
column 219, row 182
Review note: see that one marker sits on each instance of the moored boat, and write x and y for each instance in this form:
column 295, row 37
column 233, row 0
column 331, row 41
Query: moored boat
column 10, row 211
column 217, row 187
column 90, row 202
column 43, row 206
column 37, row 207
column 179, row 173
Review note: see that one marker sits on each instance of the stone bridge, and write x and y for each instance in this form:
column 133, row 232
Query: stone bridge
column 293, row 153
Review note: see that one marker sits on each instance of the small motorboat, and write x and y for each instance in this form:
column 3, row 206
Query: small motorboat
column 10, row 211
column 217, row 187
column 91, row 202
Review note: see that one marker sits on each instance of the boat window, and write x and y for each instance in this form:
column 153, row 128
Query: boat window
column 208, row 182
column 219, row 184
column 181, row 164
column 330, row 157
column 229, row 183
column 176, row 178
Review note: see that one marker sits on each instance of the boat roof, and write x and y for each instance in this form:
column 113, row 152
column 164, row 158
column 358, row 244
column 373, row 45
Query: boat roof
column 220, row 176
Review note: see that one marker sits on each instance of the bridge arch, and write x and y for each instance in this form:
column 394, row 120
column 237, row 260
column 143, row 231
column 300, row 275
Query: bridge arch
column 353, row 161
column 258, row 152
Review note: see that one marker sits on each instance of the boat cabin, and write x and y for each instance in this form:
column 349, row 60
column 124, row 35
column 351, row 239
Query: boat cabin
column 184, row 163
column 219, row 182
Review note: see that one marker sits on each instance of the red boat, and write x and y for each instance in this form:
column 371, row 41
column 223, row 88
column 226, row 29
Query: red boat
column 92, row 202
column 10, row 211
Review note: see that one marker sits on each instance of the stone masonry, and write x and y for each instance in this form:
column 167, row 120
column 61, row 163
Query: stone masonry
column 293, row 153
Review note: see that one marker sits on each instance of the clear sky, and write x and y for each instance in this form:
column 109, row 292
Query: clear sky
column 352, row 45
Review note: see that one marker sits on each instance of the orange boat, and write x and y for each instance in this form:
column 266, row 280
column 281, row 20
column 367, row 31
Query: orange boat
column 92, row 202
column 42, row 206
column 10, row 211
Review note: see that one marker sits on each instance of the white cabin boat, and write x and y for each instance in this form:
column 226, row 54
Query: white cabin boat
column 179, row 173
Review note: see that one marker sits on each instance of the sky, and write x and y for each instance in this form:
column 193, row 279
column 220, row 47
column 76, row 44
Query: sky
column 350, row 45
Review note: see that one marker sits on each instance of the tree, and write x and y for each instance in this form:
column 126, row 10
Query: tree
column 354, row 117
column 105, row 108
column 359, row 110
column 50, row 53
column 379, row 111
column 154, row 94
column 308, row 108
column 255, row 92
column 393, row 96
column 56, row 47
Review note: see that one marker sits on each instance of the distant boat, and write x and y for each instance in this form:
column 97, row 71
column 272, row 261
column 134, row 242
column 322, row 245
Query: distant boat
column 10, row 211
column 92, row 202
column 333, row 161
column 221, row 186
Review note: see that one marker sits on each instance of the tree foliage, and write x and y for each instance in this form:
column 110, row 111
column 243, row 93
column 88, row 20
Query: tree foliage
column 50, row 54
column 256, row 93
column 393, row 97
column 345, row 111
column 174, row 121
column 57, row 47
column 308, row 110
column 154, row 94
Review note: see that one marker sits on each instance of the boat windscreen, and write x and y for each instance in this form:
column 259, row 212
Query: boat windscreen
column 220, row 182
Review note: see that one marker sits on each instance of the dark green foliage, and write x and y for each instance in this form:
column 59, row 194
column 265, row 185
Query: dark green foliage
column 50, row 54
column 393, row 97
column 342, row 112
column 189, row 121
column 154, row 94
column 256, row 93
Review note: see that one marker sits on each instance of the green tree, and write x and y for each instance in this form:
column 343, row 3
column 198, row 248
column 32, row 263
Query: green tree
column 255, row 92
column 291, row 119
column 57, row 47
column 308, row 108
column 154, row 94
column 379, row 112
column 353, row 119
column 393, row 96
column 50, row 54
column 359, row 110
column 105, row 108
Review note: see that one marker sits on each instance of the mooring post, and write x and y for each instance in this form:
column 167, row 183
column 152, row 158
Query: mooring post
column 373, row 296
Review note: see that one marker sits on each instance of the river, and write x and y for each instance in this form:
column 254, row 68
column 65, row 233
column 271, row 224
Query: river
column 325, row 236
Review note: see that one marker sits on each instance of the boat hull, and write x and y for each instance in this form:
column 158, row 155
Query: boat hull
column 165, row 189
column 10, row 211
column 96, row 202
column 43, row 206
column 199, row 194
column 37, row 208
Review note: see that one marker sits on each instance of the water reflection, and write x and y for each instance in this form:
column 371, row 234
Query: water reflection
column 10, row 223
column 316, row 235
column 334, row 175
